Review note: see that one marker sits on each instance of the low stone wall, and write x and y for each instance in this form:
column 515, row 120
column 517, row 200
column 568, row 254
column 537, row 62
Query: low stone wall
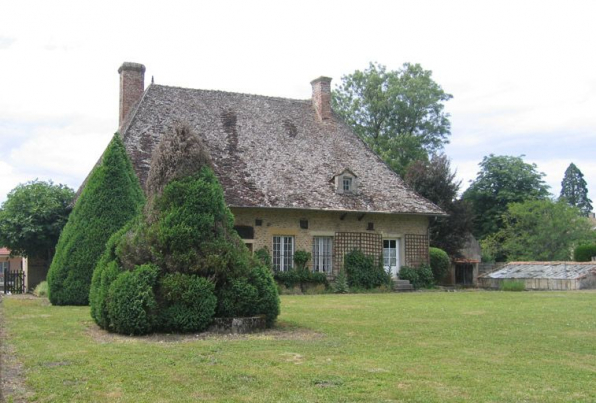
column 238, row 325
column 533, row 283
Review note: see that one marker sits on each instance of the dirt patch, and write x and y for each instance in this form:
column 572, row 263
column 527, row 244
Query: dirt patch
column 280, row 332
column 12, row 382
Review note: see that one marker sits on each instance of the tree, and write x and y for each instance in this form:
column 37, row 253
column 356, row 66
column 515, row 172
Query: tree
column 181, row 261
column 574, row 189
column 434, row 180
column 110, row 198
column 502, row 180
column 543, row 230
column 32, row 217
column 399, row 114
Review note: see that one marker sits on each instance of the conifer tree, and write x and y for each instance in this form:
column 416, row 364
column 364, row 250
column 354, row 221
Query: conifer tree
column 110, row 198
column 574, row 189
column 182, row 262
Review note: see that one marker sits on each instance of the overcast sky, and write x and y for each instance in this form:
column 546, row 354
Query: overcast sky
column 522, row 73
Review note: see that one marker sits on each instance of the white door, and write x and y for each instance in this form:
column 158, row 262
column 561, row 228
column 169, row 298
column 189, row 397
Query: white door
column 391, row 256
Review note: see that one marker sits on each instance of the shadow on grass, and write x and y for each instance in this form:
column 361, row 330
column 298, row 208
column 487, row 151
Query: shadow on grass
column 282, row 330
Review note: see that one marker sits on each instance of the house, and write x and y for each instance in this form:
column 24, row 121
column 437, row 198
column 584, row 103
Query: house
column 294, row 175
column 13, row 270
column 544, row 275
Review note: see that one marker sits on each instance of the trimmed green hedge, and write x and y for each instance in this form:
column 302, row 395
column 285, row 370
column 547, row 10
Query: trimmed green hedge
column 439, row 263
column 110, row 198
column 131, row 305
column 294, row 277
column 188, row 302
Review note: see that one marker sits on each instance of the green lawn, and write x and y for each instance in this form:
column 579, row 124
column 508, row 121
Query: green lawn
column 425, row 347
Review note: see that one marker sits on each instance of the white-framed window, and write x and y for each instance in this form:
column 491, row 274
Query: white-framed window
column 283, row 252
column 322, row 252
column 347, row 184
column 4, row 265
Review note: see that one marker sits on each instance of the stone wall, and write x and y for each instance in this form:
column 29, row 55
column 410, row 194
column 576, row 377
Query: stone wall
column 323, row 223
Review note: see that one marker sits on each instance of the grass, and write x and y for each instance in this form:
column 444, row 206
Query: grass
column 418, row 347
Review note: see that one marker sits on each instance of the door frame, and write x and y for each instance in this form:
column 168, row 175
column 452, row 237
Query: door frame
column 394, row 273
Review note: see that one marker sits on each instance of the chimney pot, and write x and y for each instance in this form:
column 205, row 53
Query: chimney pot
column 321, row 97
column 132, row 86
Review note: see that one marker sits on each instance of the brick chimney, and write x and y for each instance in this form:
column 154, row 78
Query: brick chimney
column 132, row 85
column 321, row 97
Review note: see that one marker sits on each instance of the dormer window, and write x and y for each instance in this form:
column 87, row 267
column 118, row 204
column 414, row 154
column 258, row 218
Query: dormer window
column 345, row 182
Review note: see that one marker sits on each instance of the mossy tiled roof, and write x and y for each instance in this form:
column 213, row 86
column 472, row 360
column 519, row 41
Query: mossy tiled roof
column 271, row 152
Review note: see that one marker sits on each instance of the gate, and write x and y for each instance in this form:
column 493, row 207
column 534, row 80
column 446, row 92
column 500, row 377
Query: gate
column 13, row 281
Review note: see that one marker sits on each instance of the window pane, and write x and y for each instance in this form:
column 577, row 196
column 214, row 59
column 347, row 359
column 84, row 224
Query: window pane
column 322, row 254
column 276, row 253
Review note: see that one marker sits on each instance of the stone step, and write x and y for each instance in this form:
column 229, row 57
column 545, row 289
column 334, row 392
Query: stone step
column 403, row 286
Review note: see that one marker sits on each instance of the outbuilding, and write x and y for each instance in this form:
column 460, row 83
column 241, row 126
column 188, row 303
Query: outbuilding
column 544, row 275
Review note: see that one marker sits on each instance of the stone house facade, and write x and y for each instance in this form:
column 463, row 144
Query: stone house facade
column 294, row 175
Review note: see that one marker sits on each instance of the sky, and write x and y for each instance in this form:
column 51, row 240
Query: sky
column 522, row 73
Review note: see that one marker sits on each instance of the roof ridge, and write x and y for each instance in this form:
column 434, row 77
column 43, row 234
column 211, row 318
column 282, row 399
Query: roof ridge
column 246, row 94
column 551, row 262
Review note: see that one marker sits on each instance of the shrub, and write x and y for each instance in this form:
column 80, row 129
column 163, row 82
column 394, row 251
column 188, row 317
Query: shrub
column 186, row 235
column 188, row 302
column 264, row 257
column 104, row 274
column 425, row 274
column 439, row 263
column 513, row 285
column 268, row 299
column 340, row 286
column 584, row 253
column 237, row 298
column 362, row 271
column 300, row 277
column 110, row 198
column 421, row 277
column 301, row 259
column 41, row 290
column 131, row 302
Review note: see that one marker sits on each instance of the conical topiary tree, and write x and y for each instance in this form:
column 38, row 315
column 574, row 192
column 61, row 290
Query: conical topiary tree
column 110, row 198
column 182, row 262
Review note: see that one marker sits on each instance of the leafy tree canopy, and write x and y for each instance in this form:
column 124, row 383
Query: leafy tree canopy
column 434, row 180
column 502, row 180
column 574, row 189
column 399, row 114
column 542, row 230
column 32, row 217
column 110, row 198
